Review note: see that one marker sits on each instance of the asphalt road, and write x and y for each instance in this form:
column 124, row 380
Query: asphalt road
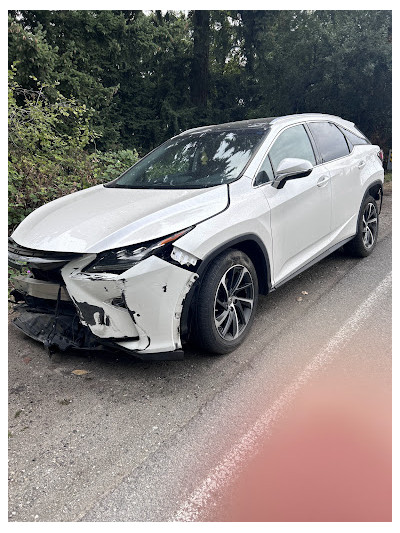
column 197, row 439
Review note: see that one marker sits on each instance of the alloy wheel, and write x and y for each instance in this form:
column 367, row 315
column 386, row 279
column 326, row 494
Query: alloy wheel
column 370, row 225
column 234, row 300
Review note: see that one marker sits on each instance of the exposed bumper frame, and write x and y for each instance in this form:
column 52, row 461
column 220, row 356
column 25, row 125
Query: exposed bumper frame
column 42, row 328
column 138, row 311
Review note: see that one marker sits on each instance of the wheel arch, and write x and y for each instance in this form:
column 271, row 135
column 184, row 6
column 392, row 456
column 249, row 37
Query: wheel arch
column 254, row 248
column 375, row 189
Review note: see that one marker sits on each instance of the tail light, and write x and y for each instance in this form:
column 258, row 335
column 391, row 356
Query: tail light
column 380, row 155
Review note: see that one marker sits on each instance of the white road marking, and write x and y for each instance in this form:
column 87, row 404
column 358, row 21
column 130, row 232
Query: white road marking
column 244, row 449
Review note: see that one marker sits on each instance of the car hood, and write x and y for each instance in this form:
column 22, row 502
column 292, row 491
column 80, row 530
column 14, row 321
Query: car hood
column 101, row 218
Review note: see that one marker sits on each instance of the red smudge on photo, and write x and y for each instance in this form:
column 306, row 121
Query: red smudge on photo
column 328, row 460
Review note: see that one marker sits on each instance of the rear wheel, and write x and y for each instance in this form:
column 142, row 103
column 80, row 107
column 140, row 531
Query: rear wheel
column 226, row 302
column 367, row 231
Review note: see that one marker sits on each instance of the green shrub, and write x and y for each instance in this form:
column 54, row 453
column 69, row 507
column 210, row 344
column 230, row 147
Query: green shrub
column 51, row 150
column 110, row 165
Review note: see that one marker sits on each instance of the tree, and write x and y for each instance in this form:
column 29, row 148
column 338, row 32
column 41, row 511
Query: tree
column 149, row 75
column 200, row 59
column 87, row 46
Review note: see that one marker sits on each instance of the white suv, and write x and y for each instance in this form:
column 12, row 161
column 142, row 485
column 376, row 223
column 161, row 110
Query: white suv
column 181, row 245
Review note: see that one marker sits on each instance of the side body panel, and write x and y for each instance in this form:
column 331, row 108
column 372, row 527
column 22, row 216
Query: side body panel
column 300, row 220
column 351, row 176
column 247, row 214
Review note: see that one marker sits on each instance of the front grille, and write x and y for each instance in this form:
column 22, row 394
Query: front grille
column 53, row 275
column 18, row 250
column 44, row 265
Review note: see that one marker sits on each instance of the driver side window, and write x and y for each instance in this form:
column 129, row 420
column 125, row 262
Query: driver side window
column 293, row 142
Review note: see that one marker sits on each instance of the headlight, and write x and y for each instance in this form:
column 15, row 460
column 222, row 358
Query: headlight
column 121, row 259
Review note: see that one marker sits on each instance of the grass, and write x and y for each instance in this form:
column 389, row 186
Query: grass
column 387, row 184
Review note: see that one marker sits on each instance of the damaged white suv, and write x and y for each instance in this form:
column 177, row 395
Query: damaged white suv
column 181, row 245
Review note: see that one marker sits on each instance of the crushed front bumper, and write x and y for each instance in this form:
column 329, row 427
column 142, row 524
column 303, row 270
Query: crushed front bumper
column 67, row 333
column 138, row 311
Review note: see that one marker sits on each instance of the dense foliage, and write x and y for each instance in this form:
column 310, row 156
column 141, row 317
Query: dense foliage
column 48, row 156
column 89, row 88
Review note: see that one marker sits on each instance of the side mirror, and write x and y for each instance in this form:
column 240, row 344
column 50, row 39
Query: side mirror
column 291, row 168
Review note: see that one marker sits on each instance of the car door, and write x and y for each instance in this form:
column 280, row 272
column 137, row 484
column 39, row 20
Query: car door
column 301, row 210
column 344, row 170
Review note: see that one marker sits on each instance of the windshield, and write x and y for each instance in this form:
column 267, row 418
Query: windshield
column 193, row 161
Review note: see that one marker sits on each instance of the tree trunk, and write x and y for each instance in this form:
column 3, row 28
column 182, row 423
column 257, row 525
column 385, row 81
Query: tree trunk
column 201, row 50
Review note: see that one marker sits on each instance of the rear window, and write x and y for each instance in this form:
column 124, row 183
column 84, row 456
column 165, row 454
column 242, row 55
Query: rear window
column 330, row 140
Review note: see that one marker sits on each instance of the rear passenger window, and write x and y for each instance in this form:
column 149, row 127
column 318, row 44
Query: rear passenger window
column 293, row 142
column 353, row 138
column 330, row 140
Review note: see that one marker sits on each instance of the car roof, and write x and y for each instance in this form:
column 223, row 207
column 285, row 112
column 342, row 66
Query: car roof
column 254, row 123
column 266, row 123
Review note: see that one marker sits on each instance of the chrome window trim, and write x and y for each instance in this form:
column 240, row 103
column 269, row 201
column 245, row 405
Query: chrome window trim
column 304, row 123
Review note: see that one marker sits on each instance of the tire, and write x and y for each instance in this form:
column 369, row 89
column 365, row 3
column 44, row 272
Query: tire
column 367, row 230
column 226, row 302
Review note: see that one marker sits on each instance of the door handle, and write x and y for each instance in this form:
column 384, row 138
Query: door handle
column 361, row 164
column 323, row 180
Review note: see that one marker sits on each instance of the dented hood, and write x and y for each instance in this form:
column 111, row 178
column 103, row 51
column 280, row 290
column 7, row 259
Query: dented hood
column 102, row 218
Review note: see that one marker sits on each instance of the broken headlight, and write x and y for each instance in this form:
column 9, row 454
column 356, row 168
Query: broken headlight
column 121, row 259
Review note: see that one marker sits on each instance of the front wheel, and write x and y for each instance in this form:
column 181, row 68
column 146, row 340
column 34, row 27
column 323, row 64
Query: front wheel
column 367, row 230
column 226, row 302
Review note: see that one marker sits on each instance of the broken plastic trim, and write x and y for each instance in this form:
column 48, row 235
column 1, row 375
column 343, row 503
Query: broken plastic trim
column 64, row 332
column 69, row 333
column 52, row 332
column 184, row 258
